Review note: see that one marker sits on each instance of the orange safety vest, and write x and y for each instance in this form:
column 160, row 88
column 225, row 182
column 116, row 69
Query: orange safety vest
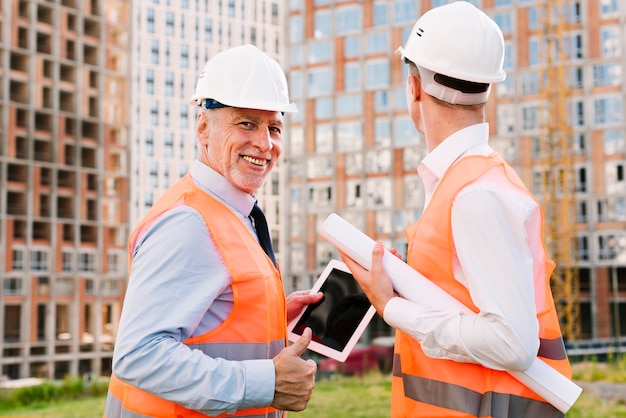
column 428, row 387
column 255, row 329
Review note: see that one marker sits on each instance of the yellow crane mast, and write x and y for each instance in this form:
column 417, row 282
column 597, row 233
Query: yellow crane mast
column 559, row 176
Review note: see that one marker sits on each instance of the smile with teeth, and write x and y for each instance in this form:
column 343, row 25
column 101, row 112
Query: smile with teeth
column 255, row 161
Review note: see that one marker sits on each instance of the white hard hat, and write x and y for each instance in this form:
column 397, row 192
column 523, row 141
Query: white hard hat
column 461, row 49
column 243, row 77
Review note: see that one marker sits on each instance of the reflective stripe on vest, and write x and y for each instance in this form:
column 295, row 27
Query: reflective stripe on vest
column 256, row 327
column 427, row 387
column 469, row 402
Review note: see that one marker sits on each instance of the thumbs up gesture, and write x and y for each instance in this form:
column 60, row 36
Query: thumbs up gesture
column 295, row 377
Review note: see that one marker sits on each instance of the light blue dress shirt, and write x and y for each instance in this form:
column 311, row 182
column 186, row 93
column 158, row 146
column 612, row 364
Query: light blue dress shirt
column 179, row 287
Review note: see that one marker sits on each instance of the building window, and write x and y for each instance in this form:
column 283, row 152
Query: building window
column 504, row 21
column 354, row 194
column 607, row 74
column 168, row 142
column 352, row 76
column 578, row 113
column 169, row 24
column 404, row 11
column 86, row 262
column 380, row 14
column 379, row 192
column 530, row 118
column 39, row 260
column 13, row 286
column 154, row 174
column 149, row 144
column 68, row 261
column 296, row 29
column 607, row 110
column 154, row 52
column 323, row 138
column 323, row 24
column 612, row 209
column 404, row 132
column 376, row 74
column 614, row 141
column 323, row 108
column 154, row 113
column 349, row 105
column 529, row 82
column 169, row 84
column 377, row 43
column 352, row 47
column 614, row 177
column 320, row 166
column 610, row 41
column 354, row 163
column 320, row 52
column 320, row 196
column 17, row 262
column 581, row 180
column 208, row 30
column 608, row 8
column 150, row 20
column 612, row 246
column 583, row 248
column 382, row 132
column 149, row 81
column 320, row 82
column 110, row 287
column 349, row 136
column 378, row 161
column 348, row 20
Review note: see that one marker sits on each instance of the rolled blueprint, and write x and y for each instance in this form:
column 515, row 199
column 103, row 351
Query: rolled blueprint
column 551, row 385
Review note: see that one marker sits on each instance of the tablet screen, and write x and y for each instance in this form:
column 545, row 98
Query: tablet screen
column 339, row 319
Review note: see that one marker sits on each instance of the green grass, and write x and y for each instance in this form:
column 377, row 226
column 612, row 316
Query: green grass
column 357, row 397
column 83, row 408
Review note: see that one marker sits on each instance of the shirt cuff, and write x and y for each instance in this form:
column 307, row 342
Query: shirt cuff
column 395, row 313
column 260, row 381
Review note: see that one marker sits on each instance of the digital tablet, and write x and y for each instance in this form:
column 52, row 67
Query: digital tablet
column 339, row 319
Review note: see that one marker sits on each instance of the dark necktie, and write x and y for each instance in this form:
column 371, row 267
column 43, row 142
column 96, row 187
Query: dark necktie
column 260, row 224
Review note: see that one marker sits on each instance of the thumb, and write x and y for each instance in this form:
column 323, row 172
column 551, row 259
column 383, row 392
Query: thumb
column 377, row 255
column 300, row 346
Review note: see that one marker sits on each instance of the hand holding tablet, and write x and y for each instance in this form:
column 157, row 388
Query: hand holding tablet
column 339, row 319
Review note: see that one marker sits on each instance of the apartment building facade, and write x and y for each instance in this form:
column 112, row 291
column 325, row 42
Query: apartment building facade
column 64, row 184
column 353, row 149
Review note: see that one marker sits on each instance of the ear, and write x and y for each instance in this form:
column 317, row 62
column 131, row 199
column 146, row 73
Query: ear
column 415, row 87
column 202, row 128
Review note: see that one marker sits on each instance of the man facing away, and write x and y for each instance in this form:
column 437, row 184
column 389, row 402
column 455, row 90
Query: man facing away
column 203, row 327
column 480, row 238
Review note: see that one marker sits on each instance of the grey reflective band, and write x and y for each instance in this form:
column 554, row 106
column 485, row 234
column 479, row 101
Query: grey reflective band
column 241, row 351
column 462, row 399
column 553, row 349
column 114, row 409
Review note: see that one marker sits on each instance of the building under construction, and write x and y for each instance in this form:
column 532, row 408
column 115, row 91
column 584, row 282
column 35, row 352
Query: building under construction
column 64, row 182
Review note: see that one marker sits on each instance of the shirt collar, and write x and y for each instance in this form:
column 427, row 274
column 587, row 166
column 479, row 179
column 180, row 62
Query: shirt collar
column 215, row 184
column 439, row 160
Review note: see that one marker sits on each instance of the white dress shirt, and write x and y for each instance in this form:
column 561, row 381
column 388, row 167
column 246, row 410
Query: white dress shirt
column 498, row 251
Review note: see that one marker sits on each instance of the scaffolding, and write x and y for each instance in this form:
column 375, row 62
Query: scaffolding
column 559, row 183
